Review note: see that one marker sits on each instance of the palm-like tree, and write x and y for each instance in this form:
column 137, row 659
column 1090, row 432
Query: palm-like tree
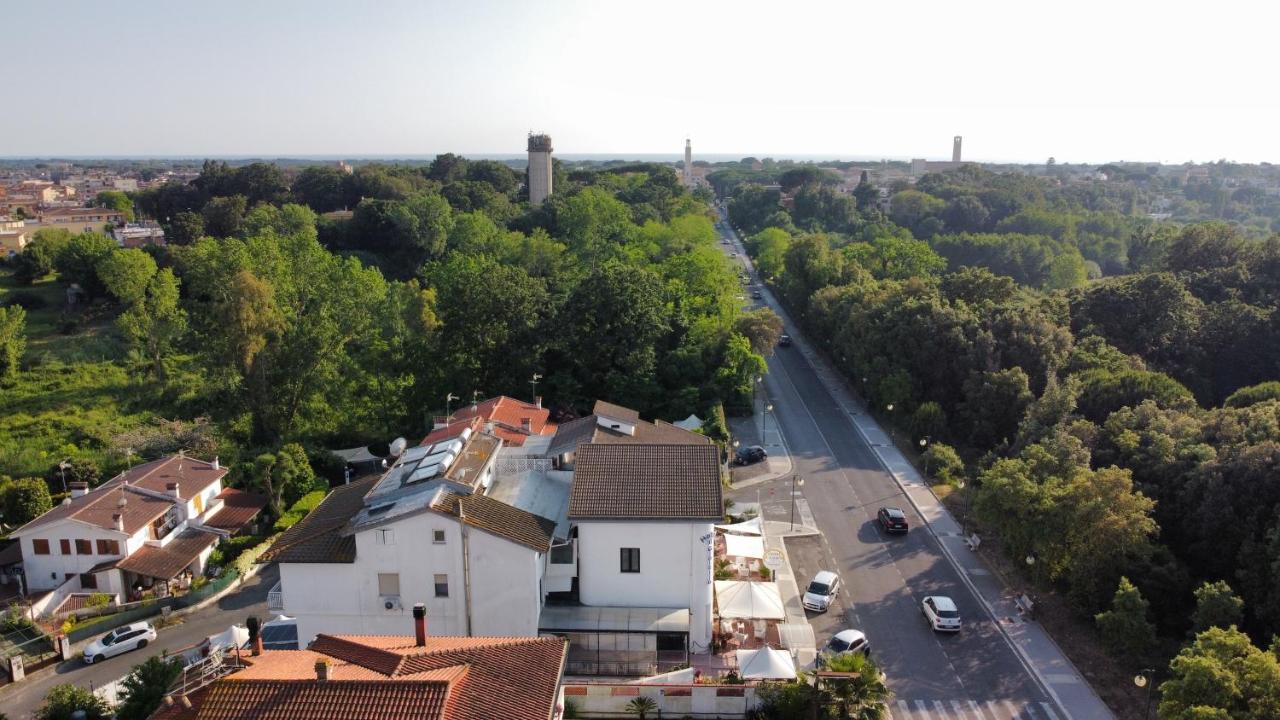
column 641, row 707
column 861, row 697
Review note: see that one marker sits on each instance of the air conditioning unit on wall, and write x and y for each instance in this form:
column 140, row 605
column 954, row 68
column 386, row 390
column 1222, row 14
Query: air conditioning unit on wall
column 391, row 602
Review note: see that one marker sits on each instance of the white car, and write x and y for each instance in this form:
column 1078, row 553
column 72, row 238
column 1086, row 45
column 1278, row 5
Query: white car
column 847, row 641
column 821, row 591
column 121, row 640
column 941, row 613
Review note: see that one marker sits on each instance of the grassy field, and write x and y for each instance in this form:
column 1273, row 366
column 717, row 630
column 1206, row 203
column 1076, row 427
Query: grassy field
column 92, row 338
column 74, row 393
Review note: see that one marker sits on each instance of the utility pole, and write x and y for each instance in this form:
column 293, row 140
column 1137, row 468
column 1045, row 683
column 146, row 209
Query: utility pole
column 447, row 400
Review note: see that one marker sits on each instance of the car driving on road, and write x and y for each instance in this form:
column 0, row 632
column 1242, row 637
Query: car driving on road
column 941, row 613
column 847, row 641
column 784, row 341
column 121, row 640
column 822, row 589
column 892, row 520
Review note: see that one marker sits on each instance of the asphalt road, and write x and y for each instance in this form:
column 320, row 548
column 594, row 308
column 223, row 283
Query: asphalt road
column 971, row 674
column 21, row 701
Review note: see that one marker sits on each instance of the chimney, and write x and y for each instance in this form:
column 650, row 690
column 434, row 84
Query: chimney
column 173, row 489
column 118, row 521
column 322, row 670
column 78, row 489
column 420, row 624
column 538, row 401
column 526, row 424
column 255, row 635
column 216, row 466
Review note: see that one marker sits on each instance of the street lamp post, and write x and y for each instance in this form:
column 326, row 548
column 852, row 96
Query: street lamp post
column 1143, row 680
column 893, row 432
column 924, row 444
column 62, row 467
column 964, row 505
column 796, row 480
column 764, row 426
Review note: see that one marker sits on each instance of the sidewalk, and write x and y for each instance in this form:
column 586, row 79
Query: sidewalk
column 795, row 631
column 1037, row 650
column 759, row 429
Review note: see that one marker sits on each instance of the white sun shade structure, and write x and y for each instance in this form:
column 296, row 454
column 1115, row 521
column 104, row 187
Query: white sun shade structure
column 746, row 527
column 744, row 546
column 766, row 664
column 751, row 600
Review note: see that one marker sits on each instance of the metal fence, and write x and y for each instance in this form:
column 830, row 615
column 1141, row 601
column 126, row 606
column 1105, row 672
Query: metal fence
column 36, row 649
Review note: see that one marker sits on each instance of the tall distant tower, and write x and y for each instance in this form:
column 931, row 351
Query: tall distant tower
column 955, row 149
column 539, row 168
column 688, row 162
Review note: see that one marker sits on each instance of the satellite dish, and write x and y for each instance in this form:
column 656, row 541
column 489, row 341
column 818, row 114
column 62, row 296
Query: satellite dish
column 398, row 445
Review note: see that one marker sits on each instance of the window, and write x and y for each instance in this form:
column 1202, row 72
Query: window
column 64, row 545
column 442, row 585
column 40, row 547
column 84, row 547
column 630, row 560
column 386, row 536
column 562, row 554
column 437, row 537
column 388, row 583
column 89, row 581
column 108, row 547
column 198, row 502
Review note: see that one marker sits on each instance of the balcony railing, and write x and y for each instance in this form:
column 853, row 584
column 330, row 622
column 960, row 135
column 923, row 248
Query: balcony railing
column 275, row 598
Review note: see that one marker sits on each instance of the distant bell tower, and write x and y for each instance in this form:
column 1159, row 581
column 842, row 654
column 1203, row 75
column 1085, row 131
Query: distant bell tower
column 539, row 168
column 955, row 149
column 688, row 162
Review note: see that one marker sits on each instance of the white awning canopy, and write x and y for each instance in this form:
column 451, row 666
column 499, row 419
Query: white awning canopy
column 766, row 664
column 691, row 423
column 744, row 546
column 746, row 527
column 752, row 600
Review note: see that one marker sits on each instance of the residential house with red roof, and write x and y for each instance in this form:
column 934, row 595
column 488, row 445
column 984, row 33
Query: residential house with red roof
column 146, row 526
column 515, row 421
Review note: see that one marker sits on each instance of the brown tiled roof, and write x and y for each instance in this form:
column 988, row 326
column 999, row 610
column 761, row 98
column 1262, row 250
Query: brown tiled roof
column 99, row 505
column 499, row 518
column 508, row 415
column 389, row 678
column 617, row 412
column 168, row 561
column 238, row 508
column 315, row 539
column 452, row 430
column 587, row 429
column 646, row 482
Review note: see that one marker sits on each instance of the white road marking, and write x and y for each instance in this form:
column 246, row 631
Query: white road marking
column 923, row 708
column 1048, row 710
column 940, row 709
column 904, row 710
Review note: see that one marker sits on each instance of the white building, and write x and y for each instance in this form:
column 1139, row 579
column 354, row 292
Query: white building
column 424, row 532
column 499, row 539
column 152, row 523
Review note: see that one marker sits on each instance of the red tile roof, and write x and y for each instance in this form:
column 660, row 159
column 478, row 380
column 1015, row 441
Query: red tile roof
column 238, row 508
column 388, row 678
column 646, row 482
column 315, row 539
column 103, row 502
column 508, row 416
column 169, row 561
column 452, row 430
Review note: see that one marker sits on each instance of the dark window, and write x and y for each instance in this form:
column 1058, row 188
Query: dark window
column 89, row 581
column 562, row 554
column 442, row 585
column 65, row 546
column 630, row 560
column 108, row 547
column 40, row 547
column 84, row 547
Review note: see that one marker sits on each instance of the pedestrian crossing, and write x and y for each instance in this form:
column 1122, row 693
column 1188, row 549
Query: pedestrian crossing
column 901, row 709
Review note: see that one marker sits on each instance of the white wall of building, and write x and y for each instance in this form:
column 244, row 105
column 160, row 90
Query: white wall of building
column 46, row 572
column 675, row 569
column 539, row 177
column 341, row 598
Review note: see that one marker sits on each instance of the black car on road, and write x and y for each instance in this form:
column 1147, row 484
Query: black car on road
column 892, row 520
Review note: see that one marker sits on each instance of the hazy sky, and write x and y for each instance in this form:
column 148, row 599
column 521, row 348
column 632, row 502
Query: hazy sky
column 1082, row 81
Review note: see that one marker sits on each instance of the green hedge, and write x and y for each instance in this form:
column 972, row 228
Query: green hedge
column 299, row 510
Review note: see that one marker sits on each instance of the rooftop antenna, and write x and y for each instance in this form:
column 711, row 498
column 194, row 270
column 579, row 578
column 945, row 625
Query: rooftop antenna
column 533, row 381
column 447, row 416
column 474, row 395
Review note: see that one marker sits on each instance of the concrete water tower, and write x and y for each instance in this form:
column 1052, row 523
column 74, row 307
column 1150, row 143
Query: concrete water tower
column 955, row 149
column 539, row 168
